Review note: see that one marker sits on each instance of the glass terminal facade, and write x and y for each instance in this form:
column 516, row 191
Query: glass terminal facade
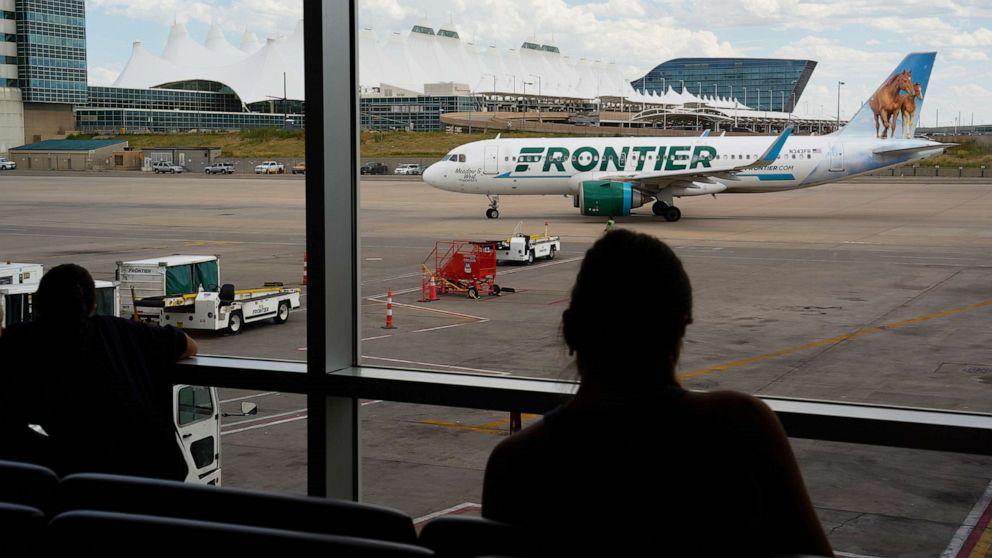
column 419, row 114
column 51, row 50
column 162, row 99
column 760, row 83
column 145, row 120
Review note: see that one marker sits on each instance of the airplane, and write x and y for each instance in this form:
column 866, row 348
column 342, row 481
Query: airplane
column 612, row 176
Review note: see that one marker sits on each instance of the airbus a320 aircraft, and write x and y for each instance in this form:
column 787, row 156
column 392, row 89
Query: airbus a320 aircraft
column 611, row 176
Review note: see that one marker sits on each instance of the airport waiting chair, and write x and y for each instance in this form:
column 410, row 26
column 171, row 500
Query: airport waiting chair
column 117, row 533
column 465, row 537
column 27, row 484
column 137, row 495
column 20, row 525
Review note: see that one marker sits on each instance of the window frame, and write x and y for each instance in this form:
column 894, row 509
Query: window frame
column 332, row 377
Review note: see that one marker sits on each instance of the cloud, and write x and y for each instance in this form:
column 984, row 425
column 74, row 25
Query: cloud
column 265, row 17
column 103, row 75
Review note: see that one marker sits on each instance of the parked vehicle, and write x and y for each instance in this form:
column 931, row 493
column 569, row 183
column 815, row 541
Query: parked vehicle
column 270, row 167
column 409, row 168
column 219, row 168
column 166, row 166
column 373, row 167
column 7, row 164
column 300, row 168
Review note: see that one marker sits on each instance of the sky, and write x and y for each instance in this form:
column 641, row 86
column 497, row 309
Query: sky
column 855, row 41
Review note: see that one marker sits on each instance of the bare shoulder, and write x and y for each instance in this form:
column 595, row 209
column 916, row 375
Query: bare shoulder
column 732, row 404
column 520, row 443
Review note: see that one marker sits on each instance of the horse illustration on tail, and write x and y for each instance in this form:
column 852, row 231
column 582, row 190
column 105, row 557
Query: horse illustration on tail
column 908, row 109
column 886, row 103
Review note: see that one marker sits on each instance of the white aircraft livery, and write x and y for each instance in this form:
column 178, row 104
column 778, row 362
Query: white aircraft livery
column 612, row 176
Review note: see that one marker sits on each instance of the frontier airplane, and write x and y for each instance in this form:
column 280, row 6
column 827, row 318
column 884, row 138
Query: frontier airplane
column 612, row 176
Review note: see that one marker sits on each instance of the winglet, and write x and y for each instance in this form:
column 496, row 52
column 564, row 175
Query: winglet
column 498, row 135
column 705, row 134
column 771, row 154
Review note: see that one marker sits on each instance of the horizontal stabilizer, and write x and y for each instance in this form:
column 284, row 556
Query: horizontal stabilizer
column 903, row 150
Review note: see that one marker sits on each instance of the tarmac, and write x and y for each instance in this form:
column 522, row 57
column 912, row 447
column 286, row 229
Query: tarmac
column 874, row 290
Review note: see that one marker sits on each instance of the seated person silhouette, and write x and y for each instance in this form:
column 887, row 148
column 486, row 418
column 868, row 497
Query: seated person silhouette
column 634, row 464
column 97, row 386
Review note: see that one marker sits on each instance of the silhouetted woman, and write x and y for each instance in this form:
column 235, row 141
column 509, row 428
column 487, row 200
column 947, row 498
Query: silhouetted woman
column 634, row 463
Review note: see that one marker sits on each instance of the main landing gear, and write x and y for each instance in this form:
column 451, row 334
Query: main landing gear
column 669, row 212
column 493, row 211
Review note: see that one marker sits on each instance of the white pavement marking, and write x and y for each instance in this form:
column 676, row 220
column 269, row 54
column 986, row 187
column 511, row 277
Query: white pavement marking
column 373, row 402
column 267, row 417
column 452, row 366
column 452, row 509
column 962, row 534
column 257, row 426
column 852, row 555
column 253, row 396
column 376, row 337
column 442, row 327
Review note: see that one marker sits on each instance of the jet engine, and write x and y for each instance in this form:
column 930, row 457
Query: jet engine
column 602, row 197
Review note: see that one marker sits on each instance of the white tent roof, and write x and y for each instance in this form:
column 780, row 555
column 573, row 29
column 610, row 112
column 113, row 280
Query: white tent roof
column 254, row 71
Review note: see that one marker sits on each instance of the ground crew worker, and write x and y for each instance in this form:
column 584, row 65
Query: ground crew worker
column 610, row 224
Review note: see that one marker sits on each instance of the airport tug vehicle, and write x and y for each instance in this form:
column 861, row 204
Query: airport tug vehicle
column 185, row 291
column 527, row 247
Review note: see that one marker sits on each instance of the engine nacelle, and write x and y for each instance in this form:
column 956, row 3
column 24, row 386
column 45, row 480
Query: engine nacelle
column 602, row 197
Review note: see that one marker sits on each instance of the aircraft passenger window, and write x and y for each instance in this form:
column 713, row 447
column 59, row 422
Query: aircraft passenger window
column 514, row 157
column 808, row 156
column 506, row 158
column 732, row 157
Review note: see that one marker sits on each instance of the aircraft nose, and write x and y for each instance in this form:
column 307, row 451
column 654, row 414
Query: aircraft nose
column 432, row 174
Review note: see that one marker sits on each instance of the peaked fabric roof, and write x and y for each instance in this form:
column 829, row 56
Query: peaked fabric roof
column 254, row 71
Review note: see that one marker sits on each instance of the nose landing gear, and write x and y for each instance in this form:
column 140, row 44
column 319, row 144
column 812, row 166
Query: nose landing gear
column 493, row 211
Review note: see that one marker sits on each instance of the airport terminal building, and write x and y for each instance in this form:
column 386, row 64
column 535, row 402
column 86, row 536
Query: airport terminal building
column 765, row 84
column 408, row 82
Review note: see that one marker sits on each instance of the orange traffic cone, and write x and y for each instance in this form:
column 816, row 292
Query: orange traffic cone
column 389, row 310
column 432, row 290
column 304, row 268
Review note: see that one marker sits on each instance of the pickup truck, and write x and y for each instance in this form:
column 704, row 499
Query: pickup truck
column 165, row 166
column 219, row 168
column 270, row 167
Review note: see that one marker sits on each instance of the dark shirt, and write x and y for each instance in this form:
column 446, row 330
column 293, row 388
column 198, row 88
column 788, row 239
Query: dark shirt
column 681, row 474
column 100, row 389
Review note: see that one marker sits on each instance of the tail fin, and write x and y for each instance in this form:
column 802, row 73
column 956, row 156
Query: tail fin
column 894, row 109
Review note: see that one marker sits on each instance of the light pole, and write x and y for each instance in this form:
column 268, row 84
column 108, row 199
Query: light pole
column 839, row 83
column 495, row 104
column 783, row 100
column 524, row 113
column 539, row 118
column 745, row 95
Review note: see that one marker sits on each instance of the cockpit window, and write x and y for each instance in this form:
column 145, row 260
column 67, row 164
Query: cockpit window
column 459, row 158
column 453, row 158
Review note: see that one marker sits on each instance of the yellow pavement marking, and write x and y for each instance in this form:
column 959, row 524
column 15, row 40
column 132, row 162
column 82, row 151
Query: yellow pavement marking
column 984, row 544
column 837, row 339
column 494, row 427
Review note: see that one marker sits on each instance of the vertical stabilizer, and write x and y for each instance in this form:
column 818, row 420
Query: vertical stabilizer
column 893, row 110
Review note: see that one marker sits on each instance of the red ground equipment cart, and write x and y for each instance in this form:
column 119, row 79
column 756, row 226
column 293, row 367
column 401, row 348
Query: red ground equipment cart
column 464, row 266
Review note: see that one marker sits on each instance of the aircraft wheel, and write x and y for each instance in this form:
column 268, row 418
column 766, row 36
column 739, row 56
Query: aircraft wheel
column 492, row 213
column 673, row 214
column 659, row 208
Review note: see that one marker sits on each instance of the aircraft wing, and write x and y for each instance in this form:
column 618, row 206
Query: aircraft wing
column 716, row 170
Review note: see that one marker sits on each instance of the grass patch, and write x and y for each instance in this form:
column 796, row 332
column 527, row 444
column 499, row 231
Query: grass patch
column 970, row 153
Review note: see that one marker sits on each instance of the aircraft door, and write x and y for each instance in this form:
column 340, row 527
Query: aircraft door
column 491, row 164
column 837, row 157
